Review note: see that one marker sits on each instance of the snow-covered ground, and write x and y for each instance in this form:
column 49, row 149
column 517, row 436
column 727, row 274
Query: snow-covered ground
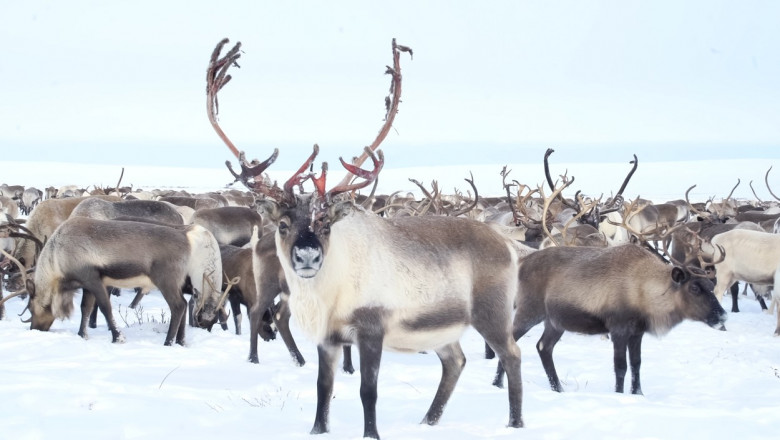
column 697, row 381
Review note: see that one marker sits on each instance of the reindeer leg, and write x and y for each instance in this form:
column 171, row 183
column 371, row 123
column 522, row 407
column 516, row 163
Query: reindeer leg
column 520, row 327
column 635, row 357
column 328, row 357
column 183, row 326
column 734, row 297
column 268, row 286
column 490, row 354
column 93, row 316
column 452, row 362
column 178, row 306
column 254, row 327
column 235, row 306
column 370, row 336
column 759, row 298
column 496, row 334
column 190, row 309
column 550, row 337
column 100, row 294
column 88, row 308
column 347, row 364
column 282, row 320
column 139, row 295
column 619, row 345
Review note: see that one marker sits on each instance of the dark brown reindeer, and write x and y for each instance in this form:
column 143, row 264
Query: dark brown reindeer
column 237, row 262
column 405, row 284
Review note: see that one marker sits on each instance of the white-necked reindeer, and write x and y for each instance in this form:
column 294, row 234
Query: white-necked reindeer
column 750, row 256
column 405, row 284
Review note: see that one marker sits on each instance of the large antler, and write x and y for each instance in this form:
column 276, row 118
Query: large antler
column 614, row 203
column 552, row 185
column 766, row 180
column 216, row 78
column 702, row 214
column 391, row 108
column 556, row 192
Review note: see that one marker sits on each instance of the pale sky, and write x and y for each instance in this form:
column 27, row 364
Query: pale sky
column 126, row 79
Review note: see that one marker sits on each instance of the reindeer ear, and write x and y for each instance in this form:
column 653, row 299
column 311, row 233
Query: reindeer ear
column 680, row 275
column 340, row 210
column 269, row 208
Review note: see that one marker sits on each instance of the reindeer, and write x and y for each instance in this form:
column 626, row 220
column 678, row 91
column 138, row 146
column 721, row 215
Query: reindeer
column 688, row 238
column 229, row 224
column 237, row 262
column 406, row 284
column 195, row 203
column 630, row 292
column 750, row 256
column 8, row 207
column 30, row 198
column 44, row 220
column 584, row 217
column 69, row 191
column 101, row 209
column 147, row 210
column 90, row 254
column 13, row 191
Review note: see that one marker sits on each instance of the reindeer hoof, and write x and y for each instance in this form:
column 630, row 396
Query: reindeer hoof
column 516, row 423
column 429, row 422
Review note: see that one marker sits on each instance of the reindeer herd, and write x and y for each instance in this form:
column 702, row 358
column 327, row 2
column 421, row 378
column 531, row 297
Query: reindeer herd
column 390, row 272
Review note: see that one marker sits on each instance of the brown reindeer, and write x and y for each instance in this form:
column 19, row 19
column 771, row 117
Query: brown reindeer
column 624, row 291
column 89, row 254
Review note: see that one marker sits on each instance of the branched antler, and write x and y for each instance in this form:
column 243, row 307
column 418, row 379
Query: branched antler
column 564, row 178
column 547, row 200
column 23, row 283
column 391, row 107
column 216, row 78
column 473, row 204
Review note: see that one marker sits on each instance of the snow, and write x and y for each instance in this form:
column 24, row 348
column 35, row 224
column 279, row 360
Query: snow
column 697, row 381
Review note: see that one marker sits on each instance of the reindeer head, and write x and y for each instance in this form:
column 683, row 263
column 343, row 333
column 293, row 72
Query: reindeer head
column 303, row 221
column 40, row 304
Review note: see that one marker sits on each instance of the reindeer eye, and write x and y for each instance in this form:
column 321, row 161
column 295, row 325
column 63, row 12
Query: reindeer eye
column 283, row 228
